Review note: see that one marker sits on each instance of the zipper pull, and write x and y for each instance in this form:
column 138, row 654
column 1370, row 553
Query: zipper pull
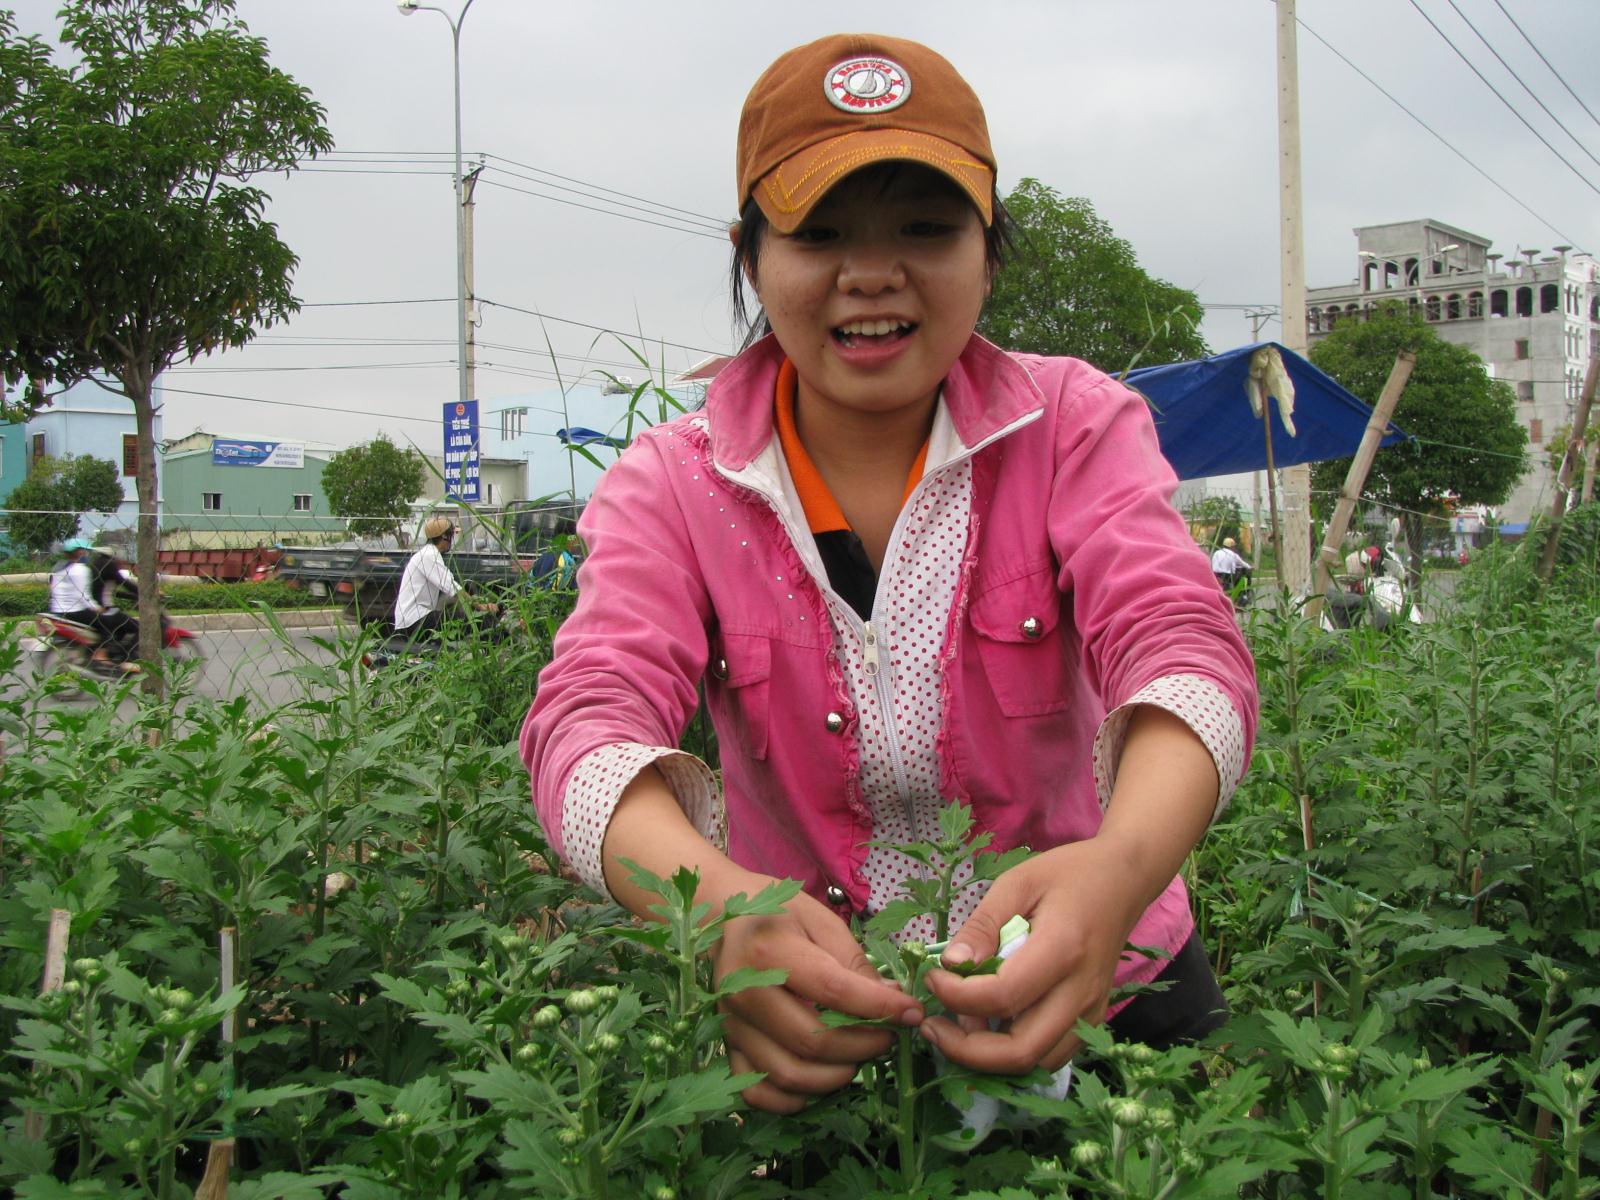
column 870, row 640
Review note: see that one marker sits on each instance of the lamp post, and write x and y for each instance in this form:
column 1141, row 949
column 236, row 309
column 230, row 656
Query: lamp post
column 407, row 7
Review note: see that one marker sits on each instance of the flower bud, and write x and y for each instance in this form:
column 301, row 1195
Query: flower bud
column 656, row 1044
column 663, row 1193
column 608, row 1043
column 1087, row 1154
column 169, row 1016
column 397, row 1120
column 526, row 1053
column 582, row 1003
column 547, row 1017
column 1162, row 1118
column 1127, row 1113
column 1140, row 1053
column 570, row 1137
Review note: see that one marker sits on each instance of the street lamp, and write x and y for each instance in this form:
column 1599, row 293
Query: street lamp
column 407, row 7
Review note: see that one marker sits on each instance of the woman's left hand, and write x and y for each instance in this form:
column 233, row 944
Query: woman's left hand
column 1080, row 910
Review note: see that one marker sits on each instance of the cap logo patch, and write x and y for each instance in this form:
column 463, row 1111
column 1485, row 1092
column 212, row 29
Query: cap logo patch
column 868, row 84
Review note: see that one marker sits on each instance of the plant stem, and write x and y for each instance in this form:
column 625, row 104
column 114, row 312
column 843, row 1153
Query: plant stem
column 169, row 1152
column 906, row 1122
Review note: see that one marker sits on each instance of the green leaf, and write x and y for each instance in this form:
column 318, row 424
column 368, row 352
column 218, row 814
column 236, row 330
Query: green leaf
column 750, row 977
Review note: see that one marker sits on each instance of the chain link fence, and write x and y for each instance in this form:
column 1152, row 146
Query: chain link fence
column 270, row 598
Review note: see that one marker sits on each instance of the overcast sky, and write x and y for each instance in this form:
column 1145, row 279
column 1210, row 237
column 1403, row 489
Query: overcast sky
column 1161, row 112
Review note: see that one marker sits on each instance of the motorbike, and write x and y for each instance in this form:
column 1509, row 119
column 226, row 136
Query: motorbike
column 70, row 645
column 1377, row 601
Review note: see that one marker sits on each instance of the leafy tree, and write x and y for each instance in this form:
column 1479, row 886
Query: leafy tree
column 46, row 506
column 1071, row 286
column 130, row 236
column 372, row 486
column 1467, row 443
column 1217, row 517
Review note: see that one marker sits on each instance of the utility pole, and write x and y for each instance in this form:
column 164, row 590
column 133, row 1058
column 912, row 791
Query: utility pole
column 469, row 338
column 1257, row 318
column 1294, row 567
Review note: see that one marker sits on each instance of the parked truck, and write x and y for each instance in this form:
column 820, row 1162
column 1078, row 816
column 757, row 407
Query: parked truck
column 365, row 577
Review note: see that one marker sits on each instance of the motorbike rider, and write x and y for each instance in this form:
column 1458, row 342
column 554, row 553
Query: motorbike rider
column 73, row 597
column 1227, row 565
column 112, row 584
column 428, row 587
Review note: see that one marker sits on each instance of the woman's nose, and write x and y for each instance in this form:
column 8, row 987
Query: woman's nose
column 871, row 270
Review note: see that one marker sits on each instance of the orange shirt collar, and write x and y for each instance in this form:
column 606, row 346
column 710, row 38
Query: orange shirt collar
column 823, row 514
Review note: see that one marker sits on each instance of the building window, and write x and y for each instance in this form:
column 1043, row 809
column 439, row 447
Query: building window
column 1432, row 307
column 1498, row 303
column 1521, row 345
column 38, row 447
column 1452, row 307
column 512, row 422
column 1525, row 391
column 211, row 501
column 1475, row 304
column 1535, row 431
column 1549, row 298
column 1524, row 302
column 302, row 502
column 130, row 454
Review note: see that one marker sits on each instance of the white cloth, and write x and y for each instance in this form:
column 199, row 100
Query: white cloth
column 424, row 587
column 70, row 589
column 1225, row 562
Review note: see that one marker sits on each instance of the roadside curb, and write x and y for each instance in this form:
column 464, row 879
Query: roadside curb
column 289, row 618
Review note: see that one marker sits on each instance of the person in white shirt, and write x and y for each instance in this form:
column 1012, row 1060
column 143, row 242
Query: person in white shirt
column 427, row 587
column 1226, row 564
column 72, row 597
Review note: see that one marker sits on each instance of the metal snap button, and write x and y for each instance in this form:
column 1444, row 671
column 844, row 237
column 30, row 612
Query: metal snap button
column 720, row 668
column 834, row 722
column 1032, row 629
column 834, row 895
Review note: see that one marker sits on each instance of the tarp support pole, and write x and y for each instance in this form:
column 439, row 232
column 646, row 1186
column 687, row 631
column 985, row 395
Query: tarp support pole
column 1569, row 460
column 1356, row 478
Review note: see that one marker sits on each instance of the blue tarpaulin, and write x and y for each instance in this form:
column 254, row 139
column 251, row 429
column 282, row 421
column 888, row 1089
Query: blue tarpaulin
column 1207, row 427
column 579, row 436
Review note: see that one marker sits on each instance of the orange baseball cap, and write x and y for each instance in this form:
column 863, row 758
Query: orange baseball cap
column 846, row 101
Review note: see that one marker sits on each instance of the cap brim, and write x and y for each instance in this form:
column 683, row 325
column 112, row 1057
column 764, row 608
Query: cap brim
column 791, row 189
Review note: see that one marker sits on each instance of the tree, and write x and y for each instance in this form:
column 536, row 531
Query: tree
column 130, row 236
column 1468, row 447
column 47, row 505
column 1072, row 286
column 372, row 486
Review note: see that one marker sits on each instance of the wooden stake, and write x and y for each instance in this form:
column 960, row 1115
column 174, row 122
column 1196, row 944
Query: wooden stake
column 1356, row 477
column 1569, row 460
column 55, row 971
column 219, row 1157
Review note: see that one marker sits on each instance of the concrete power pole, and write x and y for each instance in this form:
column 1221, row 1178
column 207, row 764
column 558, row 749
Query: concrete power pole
column 1294, row 572
column 470, row 343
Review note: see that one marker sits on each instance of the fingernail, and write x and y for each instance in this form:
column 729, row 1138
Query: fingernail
column 928, row 1033
column 957, row 954
column 911, row 1016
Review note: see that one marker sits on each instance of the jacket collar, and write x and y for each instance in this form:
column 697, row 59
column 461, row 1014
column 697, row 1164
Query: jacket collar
column 986, row 391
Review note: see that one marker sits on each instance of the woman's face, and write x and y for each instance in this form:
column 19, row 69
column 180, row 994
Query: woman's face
column 876, row 294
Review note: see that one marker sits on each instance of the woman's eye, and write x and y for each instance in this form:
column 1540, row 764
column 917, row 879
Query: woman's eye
column 811, row 235
column 929, row 228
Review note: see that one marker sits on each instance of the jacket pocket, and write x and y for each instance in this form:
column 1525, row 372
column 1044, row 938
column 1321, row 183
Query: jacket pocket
column 741, row 669
column 1017, row 627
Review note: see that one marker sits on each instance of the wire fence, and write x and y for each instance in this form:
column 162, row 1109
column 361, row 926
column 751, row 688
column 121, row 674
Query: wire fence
column 259, row 598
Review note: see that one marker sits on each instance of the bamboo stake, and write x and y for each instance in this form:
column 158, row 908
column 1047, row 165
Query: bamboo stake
column 55, row 971
column 1356, row 477
column 1558, row 506
column 219, row 1157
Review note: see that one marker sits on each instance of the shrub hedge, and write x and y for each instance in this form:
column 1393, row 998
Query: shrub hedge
column 24, row 599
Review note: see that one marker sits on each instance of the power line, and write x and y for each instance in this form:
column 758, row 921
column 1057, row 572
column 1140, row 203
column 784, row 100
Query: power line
column 1512, row 72
column 374, row 303
column 696, row 232
column 530, row 312
column 719, row 228
column 1485, row 80
column 1546, row 61
column 719, row 222
column 1524, row 205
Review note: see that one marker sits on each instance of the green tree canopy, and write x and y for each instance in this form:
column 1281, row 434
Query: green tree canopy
column 130, row 236
column 1468, row 445
column 372, row 486
column 47, row 506
column 1071, row 286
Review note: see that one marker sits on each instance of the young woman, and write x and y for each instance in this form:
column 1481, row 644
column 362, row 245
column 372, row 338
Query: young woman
column 910, row 568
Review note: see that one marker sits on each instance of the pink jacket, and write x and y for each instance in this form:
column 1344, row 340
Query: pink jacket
column 1080, row 585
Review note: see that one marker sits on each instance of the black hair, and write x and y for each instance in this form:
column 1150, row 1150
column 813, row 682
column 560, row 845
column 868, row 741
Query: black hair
column 998, row 239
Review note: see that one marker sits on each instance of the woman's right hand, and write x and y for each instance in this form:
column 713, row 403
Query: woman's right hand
column 775, row 1030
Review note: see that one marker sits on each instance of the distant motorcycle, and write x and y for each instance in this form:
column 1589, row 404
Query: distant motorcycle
column 70, row 645
column 1378, row 602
